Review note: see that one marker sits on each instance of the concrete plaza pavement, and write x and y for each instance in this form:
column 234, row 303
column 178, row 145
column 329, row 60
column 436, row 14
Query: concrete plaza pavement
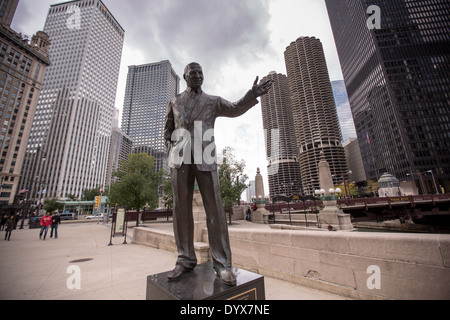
column 34, row 269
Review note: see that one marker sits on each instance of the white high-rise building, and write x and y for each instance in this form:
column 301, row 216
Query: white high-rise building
column 69, row 141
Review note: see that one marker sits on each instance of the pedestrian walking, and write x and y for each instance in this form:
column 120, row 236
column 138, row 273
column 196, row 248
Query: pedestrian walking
column 45, row 222
column 249, row 215
column 16, row 220
column 56, row 220
column 9, row 227
column 3, row 222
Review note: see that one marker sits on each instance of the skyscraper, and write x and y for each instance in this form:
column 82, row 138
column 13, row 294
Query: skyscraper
column 281, row 144
column 149, row 88
column 315, row 119
column 69, row 142
column 7, row 11
column 121, row 147
column 395, row 58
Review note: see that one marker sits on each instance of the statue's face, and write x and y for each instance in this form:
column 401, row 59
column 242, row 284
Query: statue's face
column 194, row 76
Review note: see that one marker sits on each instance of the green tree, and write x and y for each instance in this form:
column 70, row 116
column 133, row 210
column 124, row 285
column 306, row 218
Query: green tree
column 167, row 192
column 369, row 189
column 231, row 178
column 53, row 204
column 71, row 197
column 90, row 194
column 351, row 188
column 138, row 184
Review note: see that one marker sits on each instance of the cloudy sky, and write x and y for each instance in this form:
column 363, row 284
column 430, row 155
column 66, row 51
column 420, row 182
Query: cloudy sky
column 234, row 41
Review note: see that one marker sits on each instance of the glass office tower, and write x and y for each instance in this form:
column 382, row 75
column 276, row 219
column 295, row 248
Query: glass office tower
column 69, row 141
column 395, row 58
column 149, row 88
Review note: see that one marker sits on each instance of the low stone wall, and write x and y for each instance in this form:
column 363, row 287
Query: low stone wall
column 159, row 239
column 356, row 265
column 352, row 264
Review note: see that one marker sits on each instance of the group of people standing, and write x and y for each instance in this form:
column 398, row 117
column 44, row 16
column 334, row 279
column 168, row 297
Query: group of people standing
column 49, row 220
column 52, row 221
column 8, row 224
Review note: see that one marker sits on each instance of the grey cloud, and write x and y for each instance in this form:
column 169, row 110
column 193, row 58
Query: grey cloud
column 30, row 16
column 212, row 33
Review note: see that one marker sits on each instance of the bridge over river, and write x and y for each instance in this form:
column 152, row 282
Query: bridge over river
column 433, row 210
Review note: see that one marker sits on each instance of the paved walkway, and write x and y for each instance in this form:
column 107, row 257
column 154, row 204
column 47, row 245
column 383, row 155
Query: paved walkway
column 33, row 269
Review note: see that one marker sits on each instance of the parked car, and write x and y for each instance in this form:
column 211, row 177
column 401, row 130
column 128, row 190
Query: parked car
column 95, row 216
column 68, row 216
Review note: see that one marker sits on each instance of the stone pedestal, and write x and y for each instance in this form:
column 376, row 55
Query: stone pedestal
column 202, row 283
column 238, row 213
column 260, row 215
column 332, row 215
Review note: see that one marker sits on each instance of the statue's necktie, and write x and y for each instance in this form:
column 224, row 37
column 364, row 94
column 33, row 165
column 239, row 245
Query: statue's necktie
column 192, row 102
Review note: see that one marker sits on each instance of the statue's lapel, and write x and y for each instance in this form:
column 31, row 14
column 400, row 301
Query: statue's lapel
column 181, row 106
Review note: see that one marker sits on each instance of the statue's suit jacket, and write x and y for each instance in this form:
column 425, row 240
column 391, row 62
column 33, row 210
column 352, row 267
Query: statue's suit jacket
column 205, row 109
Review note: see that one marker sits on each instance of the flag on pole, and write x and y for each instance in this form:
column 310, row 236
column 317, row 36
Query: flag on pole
column 25, row 190
column 368, row 138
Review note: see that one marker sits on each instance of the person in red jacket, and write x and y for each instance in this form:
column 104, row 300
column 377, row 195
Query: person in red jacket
column 46, row 221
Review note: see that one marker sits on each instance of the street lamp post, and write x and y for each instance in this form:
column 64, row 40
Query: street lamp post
column 347, row 191
column 32, row 182
column 434, row 181
column 344, row 180
column 420, row 175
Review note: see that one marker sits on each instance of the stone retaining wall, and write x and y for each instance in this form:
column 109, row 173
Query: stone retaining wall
column 410, row 266
column 352, row 264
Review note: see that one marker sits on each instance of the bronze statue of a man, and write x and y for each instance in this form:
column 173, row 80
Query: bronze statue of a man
column 189, row 135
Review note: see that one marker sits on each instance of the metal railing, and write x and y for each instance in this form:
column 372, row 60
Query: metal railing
column 149, row 215
column 359, row 202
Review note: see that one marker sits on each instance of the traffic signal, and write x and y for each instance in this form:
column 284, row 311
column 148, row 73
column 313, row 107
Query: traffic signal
column 97, row 202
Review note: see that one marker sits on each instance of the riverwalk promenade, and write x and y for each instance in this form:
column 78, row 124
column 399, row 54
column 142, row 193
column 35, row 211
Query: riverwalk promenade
column 80, row 265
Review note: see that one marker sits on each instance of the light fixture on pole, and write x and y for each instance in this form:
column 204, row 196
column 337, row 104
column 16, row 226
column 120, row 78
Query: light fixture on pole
column 332, row 192
column 339, row 191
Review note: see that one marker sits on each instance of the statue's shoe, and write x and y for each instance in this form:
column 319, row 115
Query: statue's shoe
column 178, row 272
column 227, row 275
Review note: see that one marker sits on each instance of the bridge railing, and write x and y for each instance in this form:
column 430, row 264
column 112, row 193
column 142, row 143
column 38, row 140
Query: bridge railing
column 293, row 206
column 366, row 202
column 149, row 215
column 392, row 200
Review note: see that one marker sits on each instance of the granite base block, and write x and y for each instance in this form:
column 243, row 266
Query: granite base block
column 202, row 283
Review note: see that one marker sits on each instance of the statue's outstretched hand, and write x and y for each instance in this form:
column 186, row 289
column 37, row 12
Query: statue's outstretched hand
column 261, row 89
